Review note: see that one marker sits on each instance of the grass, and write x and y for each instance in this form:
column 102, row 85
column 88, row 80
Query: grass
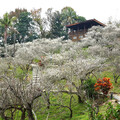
column 61, row 113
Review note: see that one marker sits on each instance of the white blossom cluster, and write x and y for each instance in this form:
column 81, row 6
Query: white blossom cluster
column 98, row 41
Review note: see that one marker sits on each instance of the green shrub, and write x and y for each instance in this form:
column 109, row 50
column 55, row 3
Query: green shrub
column 113, row 113
column 99, row 116
column 88, row 86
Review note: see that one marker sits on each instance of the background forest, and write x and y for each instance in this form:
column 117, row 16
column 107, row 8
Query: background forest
column 23, row 26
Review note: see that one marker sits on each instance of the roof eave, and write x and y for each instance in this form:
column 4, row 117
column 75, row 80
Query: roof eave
column 71, row 25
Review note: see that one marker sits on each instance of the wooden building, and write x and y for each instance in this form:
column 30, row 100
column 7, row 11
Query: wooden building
column 78, row 30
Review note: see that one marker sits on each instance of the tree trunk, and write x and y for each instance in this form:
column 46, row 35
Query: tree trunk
column 5, row 39
column 30, row 113
column 48, row 100
column 48, row 103
column 5, row 36
column 23, row 115
column 71, row 113
column 79, row 99
column 115, row 80
column 116, row 77
column 97, row 109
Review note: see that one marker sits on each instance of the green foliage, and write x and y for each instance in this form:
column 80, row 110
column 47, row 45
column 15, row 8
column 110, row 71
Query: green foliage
column 69, row 16
column 62, row 113
column 13, row 33
column 24, row 27
column 28, row 23
column 57, row 112
column 36, row 60
column 113, row 113
column 56, row 26
column 20, row 73
column 6, row 23
column 89, row 87
column 99, row 116
column 80, row 19
column 91, row 110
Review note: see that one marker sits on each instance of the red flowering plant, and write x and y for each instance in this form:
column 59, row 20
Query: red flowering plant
column 41, row 61
column 103, row 85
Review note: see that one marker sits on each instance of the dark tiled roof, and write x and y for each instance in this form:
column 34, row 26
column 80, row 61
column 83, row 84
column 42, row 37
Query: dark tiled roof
column 86, row 24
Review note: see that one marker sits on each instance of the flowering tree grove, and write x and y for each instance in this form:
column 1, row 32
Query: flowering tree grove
column 57, row 66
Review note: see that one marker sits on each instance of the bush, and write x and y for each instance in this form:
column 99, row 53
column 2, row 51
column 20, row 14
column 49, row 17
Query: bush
column 93, row 113
column 89, row 88
column 103, row 85
column 113, row 113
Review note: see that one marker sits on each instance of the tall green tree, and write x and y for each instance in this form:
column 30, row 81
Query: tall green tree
column 25, row 27
column 69, row 16
column 79, row 18
column 13, row 33
column 56, row 28
column 6, row 23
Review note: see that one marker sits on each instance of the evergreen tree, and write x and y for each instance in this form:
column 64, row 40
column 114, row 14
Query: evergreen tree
column 25, row 27
column 6, row 24
column 56, row 25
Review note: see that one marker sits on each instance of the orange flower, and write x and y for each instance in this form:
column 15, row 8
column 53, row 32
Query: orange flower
column 97, row 88
column 103, row 85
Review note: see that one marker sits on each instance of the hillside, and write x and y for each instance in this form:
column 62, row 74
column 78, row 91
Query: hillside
column 56, row 79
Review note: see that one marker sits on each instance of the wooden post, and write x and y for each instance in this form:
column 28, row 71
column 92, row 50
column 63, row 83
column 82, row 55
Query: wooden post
column 97, row 109
column 111, row 95
column 35, row 73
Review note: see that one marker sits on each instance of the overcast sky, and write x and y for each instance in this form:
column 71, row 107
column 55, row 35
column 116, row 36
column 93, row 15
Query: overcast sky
column 101, row 10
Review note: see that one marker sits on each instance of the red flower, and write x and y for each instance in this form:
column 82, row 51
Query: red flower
column 103, row 85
